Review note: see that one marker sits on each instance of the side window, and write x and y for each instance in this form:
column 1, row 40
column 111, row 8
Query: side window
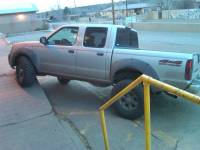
column 126, row 38
column 95, row 37
column 65, row 36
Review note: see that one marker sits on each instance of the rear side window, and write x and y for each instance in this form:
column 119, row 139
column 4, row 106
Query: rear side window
column 126, row 38
column 95, row 37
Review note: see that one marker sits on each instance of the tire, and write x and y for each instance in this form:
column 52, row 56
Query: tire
column 25, row 72
column 62, row 80
column 131, row 105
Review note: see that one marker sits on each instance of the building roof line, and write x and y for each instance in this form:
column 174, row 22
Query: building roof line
column 18, row 8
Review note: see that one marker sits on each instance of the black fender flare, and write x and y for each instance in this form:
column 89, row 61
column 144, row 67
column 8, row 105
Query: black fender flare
column 27, row 53
column 134, row 64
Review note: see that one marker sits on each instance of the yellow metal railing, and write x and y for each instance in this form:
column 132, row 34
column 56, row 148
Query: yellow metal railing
column 147, row 81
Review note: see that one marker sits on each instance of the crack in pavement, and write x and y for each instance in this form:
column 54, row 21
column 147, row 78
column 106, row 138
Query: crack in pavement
column 4, row 74
column 8, row 73
column 176, row 145
column 156, row 137
column 33, row 118
column 82, row 137
column 153, row 135
column 139, row 125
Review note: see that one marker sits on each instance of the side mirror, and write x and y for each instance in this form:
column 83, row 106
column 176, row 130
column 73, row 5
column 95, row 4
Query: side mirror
column 43, row 40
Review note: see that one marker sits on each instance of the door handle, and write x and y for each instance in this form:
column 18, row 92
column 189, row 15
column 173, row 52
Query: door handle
column 71, row 51
column 100, row 54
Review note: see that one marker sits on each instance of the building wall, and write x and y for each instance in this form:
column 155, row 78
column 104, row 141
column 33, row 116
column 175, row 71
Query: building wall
column 20, row 17
column 19, row 27
column 22, row 22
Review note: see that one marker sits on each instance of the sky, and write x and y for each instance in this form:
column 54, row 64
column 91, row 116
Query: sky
column 44, row 5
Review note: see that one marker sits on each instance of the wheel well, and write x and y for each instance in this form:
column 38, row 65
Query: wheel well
column 127, row 73
column 23, row 55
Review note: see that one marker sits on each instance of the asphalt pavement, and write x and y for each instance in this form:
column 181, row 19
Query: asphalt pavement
column 182, row 42
column 79, row 103
column 175, row 122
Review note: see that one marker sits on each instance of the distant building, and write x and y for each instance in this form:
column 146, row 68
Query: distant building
column 53, row 15
column 18, row 18
column 16, row 13
column 133, row 9
column 72, row 13
column 180, row 4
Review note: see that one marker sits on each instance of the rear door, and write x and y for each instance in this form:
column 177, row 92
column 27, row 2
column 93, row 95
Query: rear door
column 91, row 55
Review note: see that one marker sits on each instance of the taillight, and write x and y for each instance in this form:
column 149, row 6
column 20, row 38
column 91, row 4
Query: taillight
column 188, row 70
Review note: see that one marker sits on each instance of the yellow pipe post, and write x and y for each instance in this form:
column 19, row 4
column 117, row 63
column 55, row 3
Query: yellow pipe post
column 147, row 115
column 104, row 130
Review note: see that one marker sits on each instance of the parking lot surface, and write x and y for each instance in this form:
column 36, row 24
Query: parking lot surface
column 182, row 42
column 173, row 120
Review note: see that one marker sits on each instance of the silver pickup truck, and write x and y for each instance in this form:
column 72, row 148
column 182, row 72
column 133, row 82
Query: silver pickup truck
column 103, row 55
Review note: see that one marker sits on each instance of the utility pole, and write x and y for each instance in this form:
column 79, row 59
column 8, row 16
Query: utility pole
column 126, row 8
column 113, row 12
column 58, row 5
column 74, row 3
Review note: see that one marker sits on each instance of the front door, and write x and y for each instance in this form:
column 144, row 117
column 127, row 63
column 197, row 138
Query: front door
column 59, row 55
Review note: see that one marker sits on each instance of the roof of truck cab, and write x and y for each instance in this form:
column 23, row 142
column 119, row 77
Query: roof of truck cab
column 94, row 25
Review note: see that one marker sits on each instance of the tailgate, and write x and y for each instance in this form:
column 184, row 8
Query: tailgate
column 196, row 66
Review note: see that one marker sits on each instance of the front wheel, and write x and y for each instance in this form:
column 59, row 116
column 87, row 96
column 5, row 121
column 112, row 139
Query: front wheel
column 25, row 72
column 131, row 105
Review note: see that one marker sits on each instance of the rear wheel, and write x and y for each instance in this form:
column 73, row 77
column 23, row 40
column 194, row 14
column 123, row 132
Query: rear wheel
column 62, row 80
column 131, row 105
column 25, row 72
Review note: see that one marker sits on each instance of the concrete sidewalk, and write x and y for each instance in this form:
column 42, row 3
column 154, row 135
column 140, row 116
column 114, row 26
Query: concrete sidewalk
column 27, row 120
